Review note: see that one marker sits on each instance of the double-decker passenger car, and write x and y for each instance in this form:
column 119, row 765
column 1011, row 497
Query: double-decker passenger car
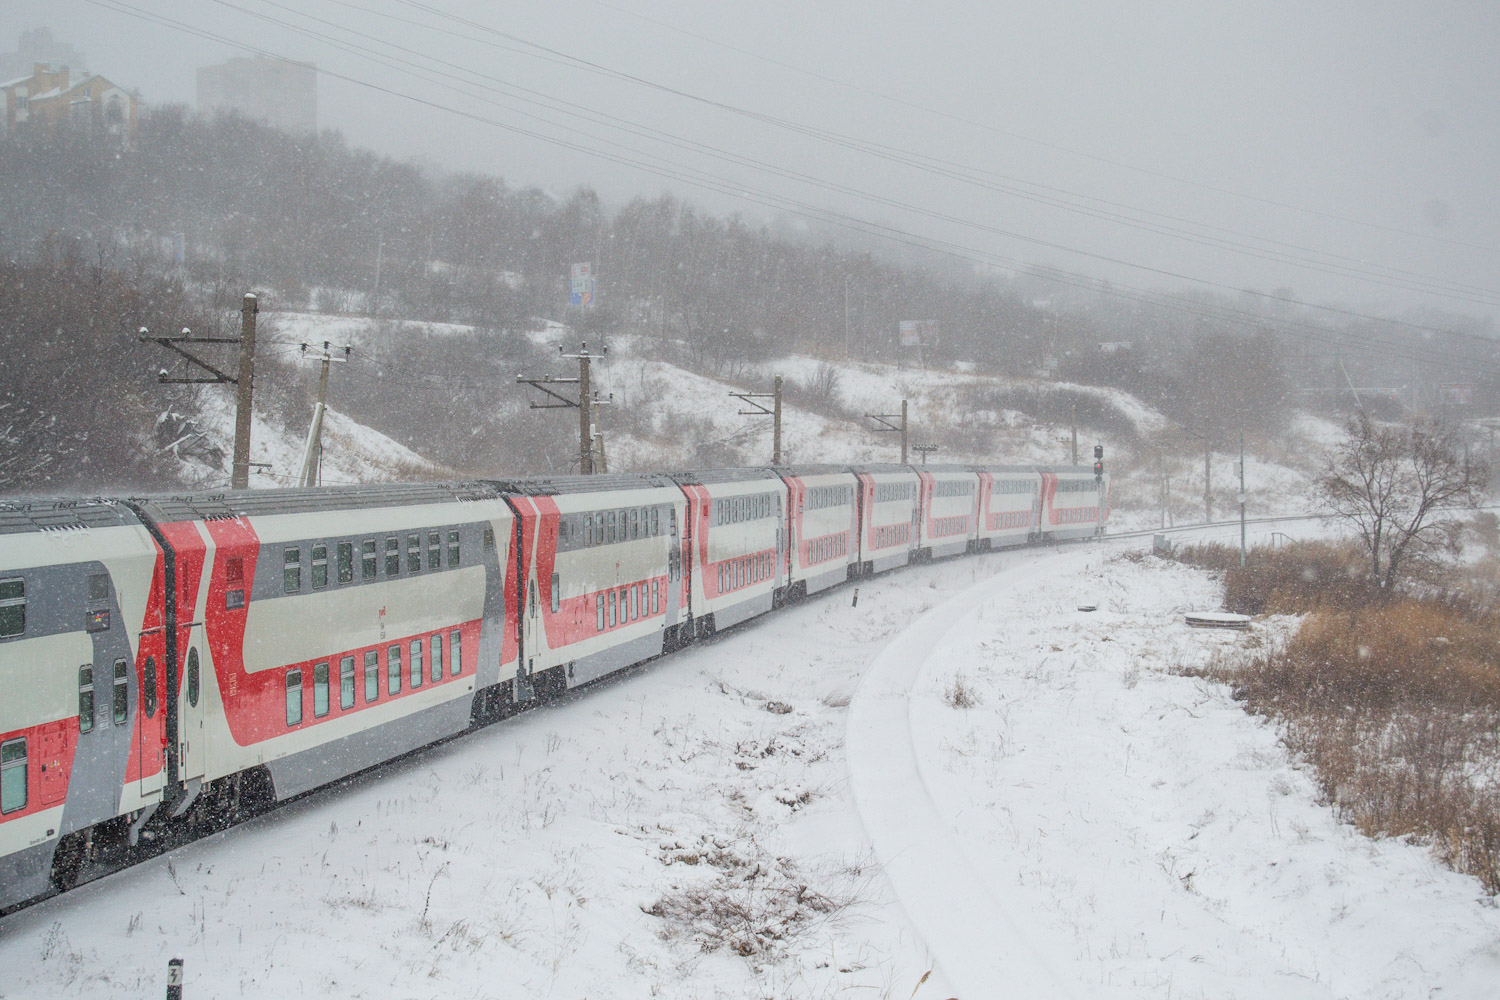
column 823, row 529
column 1010, row 505
column 1074, row 502
column 949, row 510
column 890, row 514
column 736, row 538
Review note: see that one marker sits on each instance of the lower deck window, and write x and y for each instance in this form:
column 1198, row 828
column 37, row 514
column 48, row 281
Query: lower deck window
column 416, row 663
column 320, row 690
column 613, row 598
column 456, row 652
column 12, row 776
column 372, row 676
column 346, row 682
column 393, row 670
column 293, row 697
column 437, row 658
column 599, row 609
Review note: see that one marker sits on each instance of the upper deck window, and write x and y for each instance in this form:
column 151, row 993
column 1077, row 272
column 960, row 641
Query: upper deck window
column 12, row 607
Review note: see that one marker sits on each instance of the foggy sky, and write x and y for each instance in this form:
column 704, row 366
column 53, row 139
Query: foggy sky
column 1382, row 113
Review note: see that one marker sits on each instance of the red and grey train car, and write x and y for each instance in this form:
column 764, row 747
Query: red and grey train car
column 174, row 662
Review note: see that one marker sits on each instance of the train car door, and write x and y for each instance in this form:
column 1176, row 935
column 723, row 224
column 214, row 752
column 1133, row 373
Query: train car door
column 674, row 567
column 150, row 724
column 191, row 751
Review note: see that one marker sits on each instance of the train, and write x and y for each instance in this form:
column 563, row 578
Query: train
column 172, row 664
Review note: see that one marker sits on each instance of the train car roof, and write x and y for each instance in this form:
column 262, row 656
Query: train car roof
column 883, row 467
column 62, row 513
column 557, row 485
column 693, row 477
column 260, row 503
column 1007, row 470
column 814, row 469
column 945, row 467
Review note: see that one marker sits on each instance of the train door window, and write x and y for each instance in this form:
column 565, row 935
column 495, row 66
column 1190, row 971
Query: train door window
column 393, row 670
column 346, row 683
column 319, row 566
column 12, row 776
column 609, row 532
column 368, row 563
column 86, row 698
column 120, row 704
column 414, row 553
column 194, row 682
column 489, row 538
column 452, row 548
column 372, row 676
column 320, row 690
column 346, row 562
column 149, row 696
column 613, row 599
column 455, row 652
column 416, row 663
column 434, row 550
column 293, row 697
column 291, row 570
column 12, row 607
column 437, row 658
column 599, row 611
column 556, row 593
column 392, row 557
column 98, row 586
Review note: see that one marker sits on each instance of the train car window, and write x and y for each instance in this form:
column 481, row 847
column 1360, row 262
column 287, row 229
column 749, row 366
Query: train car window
column 655, row 521
column 721, row 578
column 416, row 663
column 599, row 611
column 609, row 532
column 346, row 683
column 635, row 603
column 556, row 593
column 12, row 607
column 635, row 523
column 320, row 690
column 319, row 566
column 149, row 695
column 393, row 670
column 455, row 652
column 120, row 705
column 655, row 598
column 293, row 697
column 372, row 676
column 12, row 776
column 613, row 599
column 414, row 553
column 369, row 563
column 489, row 538
column 436, row 662
column 346, row 562
column 98, row 586
column 194, row 682
column 453, row 548
column 291, row 570
column 434, row 550
column 86, row 698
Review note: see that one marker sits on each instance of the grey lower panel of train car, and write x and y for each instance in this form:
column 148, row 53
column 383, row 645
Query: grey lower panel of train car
column 882, row 563
column 953, row 548
column 828, row 578
column 304, row 771
column 1085, row 532
column 607, row 661
column 744, row 610
column 26, row 873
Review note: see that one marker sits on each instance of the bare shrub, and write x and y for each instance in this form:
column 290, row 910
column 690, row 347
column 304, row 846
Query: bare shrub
column 959, row 693
column 1291, row 579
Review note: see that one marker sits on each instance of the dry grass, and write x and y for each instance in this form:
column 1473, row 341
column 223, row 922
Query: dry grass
column 1397, row 707
column 959, row 693
column 1289, row 579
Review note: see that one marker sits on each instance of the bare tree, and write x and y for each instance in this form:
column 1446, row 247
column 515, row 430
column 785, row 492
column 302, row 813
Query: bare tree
column 1398, row 484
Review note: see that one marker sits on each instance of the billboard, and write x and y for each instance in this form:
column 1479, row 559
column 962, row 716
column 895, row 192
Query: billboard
column 918, row 332
column 581, row 285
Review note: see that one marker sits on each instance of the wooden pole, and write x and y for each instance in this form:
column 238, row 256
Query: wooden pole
column 903, row 432
column 776, row 425
column 585, row 416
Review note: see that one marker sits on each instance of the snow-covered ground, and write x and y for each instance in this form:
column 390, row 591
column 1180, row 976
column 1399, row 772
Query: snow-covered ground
column 796, row 810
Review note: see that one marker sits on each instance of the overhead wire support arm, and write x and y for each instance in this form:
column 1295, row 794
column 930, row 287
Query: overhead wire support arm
column 753, row 399
column 186, row 337
column 884, row 425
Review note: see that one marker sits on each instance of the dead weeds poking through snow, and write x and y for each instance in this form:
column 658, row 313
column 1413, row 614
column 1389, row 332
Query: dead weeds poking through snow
column 959, row 693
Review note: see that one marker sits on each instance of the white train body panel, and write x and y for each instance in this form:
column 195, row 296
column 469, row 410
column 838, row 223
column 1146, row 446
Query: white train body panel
column 950, row 500
column 890, row 512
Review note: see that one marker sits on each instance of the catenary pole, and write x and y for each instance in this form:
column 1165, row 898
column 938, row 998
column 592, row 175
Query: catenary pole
column 240, row 469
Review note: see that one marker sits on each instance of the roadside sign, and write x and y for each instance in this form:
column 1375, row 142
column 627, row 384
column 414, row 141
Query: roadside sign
column 581, row 285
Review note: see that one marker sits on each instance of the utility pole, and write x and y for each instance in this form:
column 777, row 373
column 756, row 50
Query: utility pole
column 848, row 348
column 923, row 449
column 588, row 400
column 1242, row 499
column 240, row 470
column 245, row 382
column 884, row 425
column 1208, row 495
column 312, row 452
column 1074, row 422
column 751, row 399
